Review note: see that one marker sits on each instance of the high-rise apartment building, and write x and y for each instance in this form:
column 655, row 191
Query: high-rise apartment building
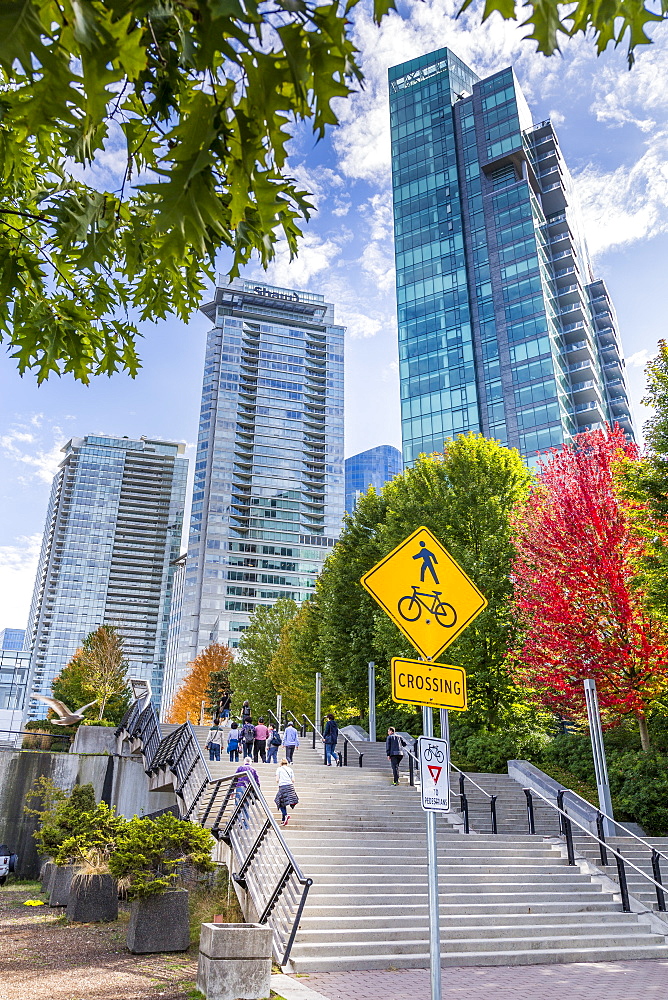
column 503, row 328
column 113, row 530
column 12, row 638
column 268, row 492
column 370, row 468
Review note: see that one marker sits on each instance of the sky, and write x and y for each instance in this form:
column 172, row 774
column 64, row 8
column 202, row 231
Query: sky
column 613, row 130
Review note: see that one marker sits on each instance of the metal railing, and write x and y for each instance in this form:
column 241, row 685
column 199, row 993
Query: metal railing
column 264, row 865
column 235, row 811
column 413, row 764
column 343, row 757
column 566, row 826
column 17, row 739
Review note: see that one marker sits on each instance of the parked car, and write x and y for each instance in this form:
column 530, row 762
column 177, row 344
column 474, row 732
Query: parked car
column 7, row 863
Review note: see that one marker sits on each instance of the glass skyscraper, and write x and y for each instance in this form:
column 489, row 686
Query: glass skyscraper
column 503, row 328
column 370, row 468
column 113, row 530
column 268, row 491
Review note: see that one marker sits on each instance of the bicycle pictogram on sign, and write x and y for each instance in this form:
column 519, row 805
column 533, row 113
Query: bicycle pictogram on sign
column 425, row 592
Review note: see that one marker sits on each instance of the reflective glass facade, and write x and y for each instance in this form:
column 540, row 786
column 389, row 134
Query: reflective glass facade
column 370, row 468
column 269, row 486
column 12, row 638
column 113, row 530
column 502, row 327
column 14, row 669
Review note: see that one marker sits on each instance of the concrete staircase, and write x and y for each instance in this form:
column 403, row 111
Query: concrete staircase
column 504, row 900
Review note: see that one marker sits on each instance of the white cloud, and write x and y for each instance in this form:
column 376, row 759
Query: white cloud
column 35, row 448
column 317, row 255
column 638, row 360
column 18, row 564
column 637, row 97
column 626, row 204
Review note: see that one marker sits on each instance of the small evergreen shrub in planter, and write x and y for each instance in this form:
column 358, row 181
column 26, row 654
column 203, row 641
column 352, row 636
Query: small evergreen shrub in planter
column 145, row 861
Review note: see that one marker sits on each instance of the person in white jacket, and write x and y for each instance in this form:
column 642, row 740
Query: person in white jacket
column 286, row 794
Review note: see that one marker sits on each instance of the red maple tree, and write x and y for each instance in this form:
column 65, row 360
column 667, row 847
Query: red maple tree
column 576, row 595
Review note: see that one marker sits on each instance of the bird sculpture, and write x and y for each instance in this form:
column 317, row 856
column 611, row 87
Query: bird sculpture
column 67, row 717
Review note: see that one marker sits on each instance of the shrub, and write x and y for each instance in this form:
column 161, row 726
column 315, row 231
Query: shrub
column 72, row 824
column 491, row 751
column 148, row 852
column 639, row 784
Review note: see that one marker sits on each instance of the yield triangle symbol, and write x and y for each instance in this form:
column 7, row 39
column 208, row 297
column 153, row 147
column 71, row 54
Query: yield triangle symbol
column 435, row 772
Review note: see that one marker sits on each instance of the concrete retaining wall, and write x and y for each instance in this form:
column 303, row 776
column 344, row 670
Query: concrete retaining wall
column 120, row 781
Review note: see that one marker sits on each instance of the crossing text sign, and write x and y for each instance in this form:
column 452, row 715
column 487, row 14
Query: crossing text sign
column 434, row 773
column 436, row 685
column 425, row 592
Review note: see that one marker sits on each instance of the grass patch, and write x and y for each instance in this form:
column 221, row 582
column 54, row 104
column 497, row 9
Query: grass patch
column 207, row 902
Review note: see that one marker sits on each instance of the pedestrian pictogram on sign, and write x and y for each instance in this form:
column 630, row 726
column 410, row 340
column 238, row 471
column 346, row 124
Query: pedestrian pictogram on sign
column 434, row 776
column 425, row 592
column 437, row 685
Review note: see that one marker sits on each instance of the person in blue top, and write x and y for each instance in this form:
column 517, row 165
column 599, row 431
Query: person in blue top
column 331, row 735
column 290, row 741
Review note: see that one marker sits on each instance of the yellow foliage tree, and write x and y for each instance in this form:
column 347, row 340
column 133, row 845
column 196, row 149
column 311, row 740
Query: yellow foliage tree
column 196, row 687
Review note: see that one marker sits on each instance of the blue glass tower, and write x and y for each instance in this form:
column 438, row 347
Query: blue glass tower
column 370, row 468
column 12, row 638
column 503, row 328
column 268, row 490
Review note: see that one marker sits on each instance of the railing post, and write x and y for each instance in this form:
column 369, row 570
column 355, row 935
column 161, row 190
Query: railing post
column 600, row 829
column 560, row 805
column 411, row 775
column 530, row 816
column 621, row 872
column 463, row 803
column 361, row 759
column 314, row 737
column 492, row 808
column 568, row 832
column 345, row 753
column 656, row 871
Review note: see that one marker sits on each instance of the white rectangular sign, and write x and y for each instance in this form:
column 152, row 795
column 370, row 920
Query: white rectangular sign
column 434, row 773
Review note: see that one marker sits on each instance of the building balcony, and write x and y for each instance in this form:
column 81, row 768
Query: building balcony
column 620, row 405
column 580, row 351
column 582, row 368
column 573, row 328
column 586, row 392
column 563, row 255
column 592, row 410
column 571, row 310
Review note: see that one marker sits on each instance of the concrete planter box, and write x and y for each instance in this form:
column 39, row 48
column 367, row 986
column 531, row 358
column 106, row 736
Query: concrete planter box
column 46, row 874
column 159, row 923
column 93, row 899
column 234, row 961
column 61, row 880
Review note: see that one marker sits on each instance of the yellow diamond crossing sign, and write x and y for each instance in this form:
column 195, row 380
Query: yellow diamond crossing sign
column 425, row 592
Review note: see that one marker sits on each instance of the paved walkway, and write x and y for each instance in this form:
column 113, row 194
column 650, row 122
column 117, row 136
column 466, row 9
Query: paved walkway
column 579, row 981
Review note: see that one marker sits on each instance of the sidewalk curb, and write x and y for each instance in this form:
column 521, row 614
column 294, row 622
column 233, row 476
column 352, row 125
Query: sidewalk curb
column 293, row 989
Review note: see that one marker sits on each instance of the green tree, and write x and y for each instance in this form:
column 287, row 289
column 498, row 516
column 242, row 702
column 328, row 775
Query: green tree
column 104, row 665
column 465, row 496
column 249, row 674
column 643, row 485
column 73, row 686
column 198, row 99
column 293, row 666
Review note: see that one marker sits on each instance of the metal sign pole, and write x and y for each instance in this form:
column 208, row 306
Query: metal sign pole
column 372, row 702
column 279, row 708
column 445, row 732
column 432, row 861
column 318, row 702
column 598, row 750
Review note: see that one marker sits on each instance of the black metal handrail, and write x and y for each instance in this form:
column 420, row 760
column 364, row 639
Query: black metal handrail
column 566, row 822
column 346, row 741
column 263, row 863
column 620, row 826
column 265, row 866
column 35, row 734
column 274, row 717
